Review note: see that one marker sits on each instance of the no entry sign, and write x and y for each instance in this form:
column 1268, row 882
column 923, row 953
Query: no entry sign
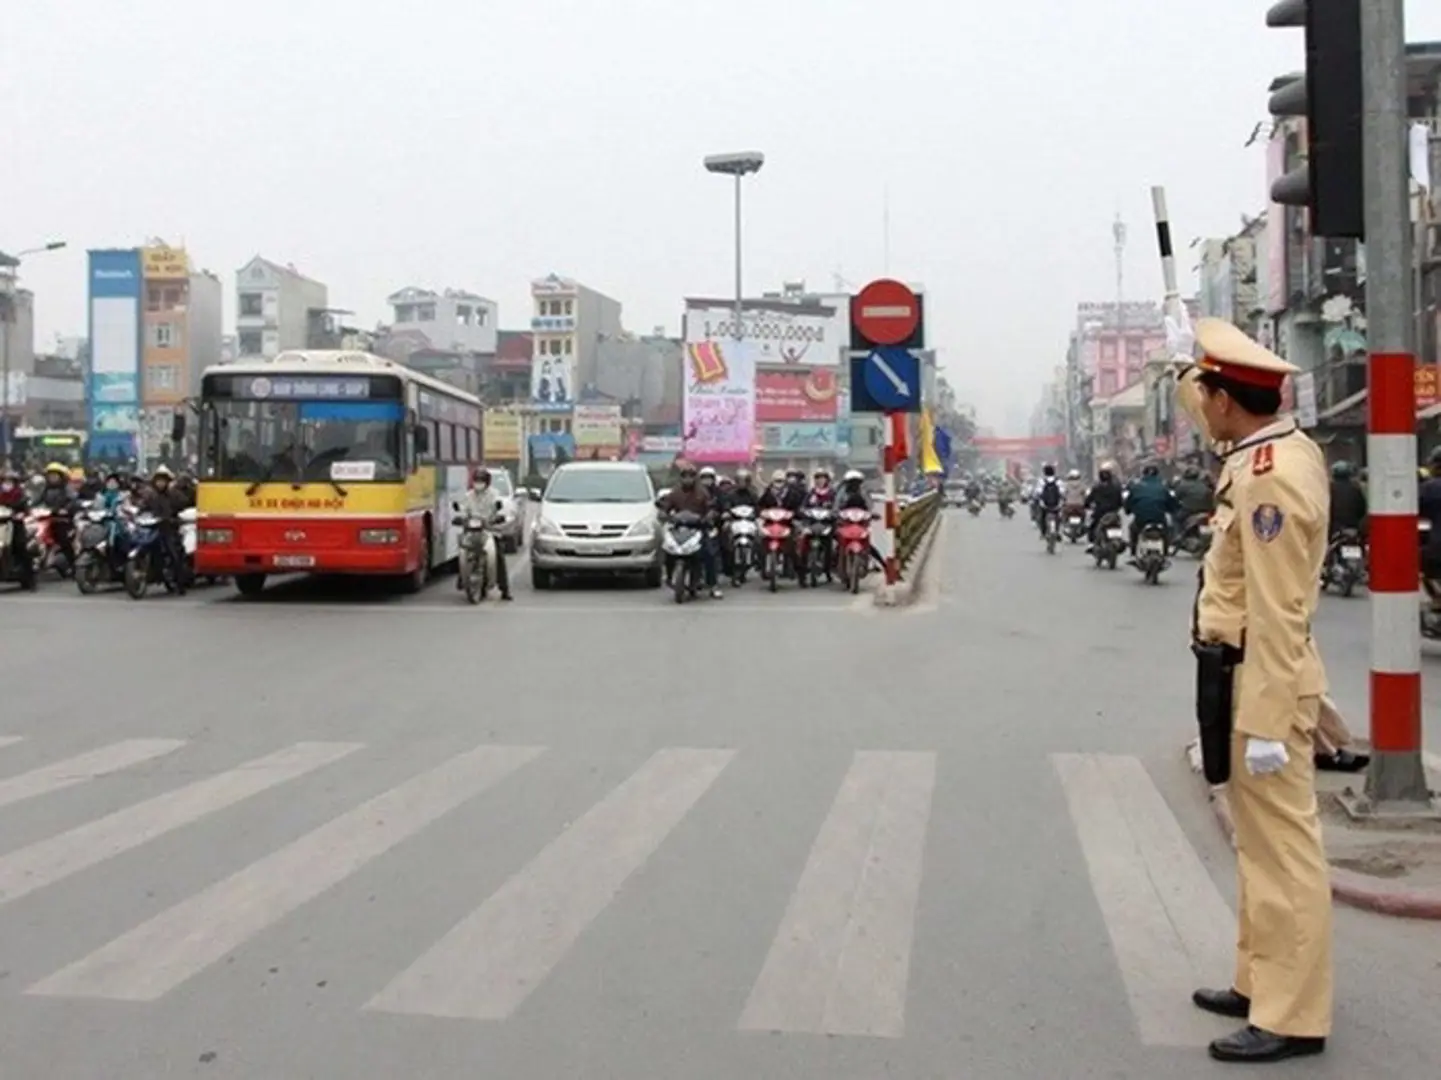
column 886, row 312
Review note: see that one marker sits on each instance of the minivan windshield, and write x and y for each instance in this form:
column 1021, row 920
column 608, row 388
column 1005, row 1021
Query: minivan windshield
column 599, row 486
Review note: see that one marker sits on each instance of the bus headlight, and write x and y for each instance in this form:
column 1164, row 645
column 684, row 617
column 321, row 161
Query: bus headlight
column 380, row 536
column 216, row 536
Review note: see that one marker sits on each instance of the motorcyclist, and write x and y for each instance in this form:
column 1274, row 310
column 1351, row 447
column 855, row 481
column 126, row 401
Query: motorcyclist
column 787, row 491
column 1049, row 497
column 707, row 479
column 110, row 498
column 1075, row 492
column 482, row 501
column 773, row 497
column 1150, row 502
column 851, row 496
column 796, row 489
column 1348, row 500
column 166, row 503
column 690, row 496
column 1105, row 497
column 1006, row 492
column 821, row 496
column 14, row 499
column 58, row 497
column 973, row 489
column 1193, row 494
column 744, row 492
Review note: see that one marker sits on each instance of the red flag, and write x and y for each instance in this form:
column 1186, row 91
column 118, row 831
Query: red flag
column 900, row 445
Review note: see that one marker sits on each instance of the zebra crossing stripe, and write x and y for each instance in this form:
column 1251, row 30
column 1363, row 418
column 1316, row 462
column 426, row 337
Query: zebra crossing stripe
column 83, row 767
column 165, row 951
column 48, row 861
column 486, row 966
column 1168, row 924
column 840, row 962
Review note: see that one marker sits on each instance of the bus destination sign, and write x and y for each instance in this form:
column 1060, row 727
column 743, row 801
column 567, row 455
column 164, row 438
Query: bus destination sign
column 264, row 386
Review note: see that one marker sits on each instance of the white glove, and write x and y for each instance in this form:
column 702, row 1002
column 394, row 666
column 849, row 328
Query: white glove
column 1265, row 756
column 1180, row 338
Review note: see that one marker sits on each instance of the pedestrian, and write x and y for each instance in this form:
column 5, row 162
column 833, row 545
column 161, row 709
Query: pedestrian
column 1260, row 584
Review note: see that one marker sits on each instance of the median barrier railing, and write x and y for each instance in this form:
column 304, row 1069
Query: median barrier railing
column 916, row 516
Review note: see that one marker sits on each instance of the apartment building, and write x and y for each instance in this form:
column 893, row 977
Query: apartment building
column 277, row 308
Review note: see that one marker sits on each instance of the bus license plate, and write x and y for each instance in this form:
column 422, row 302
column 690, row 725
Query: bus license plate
column 296, row 562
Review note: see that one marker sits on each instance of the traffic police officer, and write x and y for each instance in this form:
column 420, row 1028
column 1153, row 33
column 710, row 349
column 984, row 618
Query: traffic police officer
column 1259, row 590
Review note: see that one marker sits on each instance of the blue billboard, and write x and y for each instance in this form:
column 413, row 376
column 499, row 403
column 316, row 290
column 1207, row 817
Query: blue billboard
column 112, row 391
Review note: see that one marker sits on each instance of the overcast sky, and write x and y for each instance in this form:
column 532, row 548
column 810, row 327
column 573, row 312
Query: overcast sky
column 480, row 143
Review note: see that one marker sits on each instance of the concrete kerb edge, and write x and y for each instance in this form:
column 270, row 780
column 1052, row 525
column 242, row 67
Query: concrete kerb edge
column 903, row 593
column 1349, row 888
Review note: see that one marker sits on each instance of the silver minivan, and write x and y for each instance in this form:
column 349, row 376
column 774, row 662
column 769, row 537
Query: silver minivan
column 596, row 517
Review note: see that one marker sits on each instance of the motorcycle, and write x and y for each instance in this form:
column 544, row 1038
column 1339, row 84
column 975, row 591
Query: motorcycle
column 741, row 533
column 1007, row 510
column 1195, row 535
column 682, row 540
column 8, row 570
column 477, row 567
column 820, row 526
column 1075, row 526
column 1110, row 541
column 777, row 527
column 149, row 562
column 102, row 550
column 974, row 506
column 1151, row 556
column 1051, row 527
column 46, row 552
column 853, row 536
column 1345, row 562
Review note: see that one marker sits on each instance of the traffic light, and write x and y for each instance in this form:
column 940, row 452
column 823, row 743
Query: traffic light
column 1328, row 95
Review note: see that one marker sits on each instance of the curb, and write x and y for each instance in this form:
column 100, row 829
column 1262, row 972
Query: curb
column 903, row 592
column 1347, row 887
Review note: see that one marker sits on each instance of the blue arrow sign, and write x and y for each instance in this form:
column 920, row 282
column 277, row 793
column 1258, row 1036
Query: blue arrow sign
column 893, row 378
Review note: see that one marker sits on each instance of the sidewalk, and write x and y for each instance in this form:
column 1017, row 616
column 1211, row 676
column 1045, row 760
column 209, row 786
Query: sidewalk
column 1388, row 871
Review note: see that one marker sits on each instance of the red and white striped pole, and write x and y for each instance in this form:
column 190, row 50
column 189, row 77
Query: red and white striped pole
column 1396, row 779
column 892, row 457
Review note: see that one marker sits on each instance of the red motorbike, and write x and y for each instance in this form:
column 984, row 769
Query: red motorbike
column 777, row 529
column 853, row 538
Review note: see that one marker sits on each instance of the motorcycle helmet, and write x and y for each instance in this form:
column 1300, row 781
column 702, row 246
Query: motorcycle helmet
column 822, row 473
column 778, row 477
column 162, row 473
column 1074, row 474
column 725, row 482
column 1048, row 471
column 708, row 473
column 1104, row 475
column 480, row 476
column 743, row 477
column 1341, row 470
column 58, row 469
column 853, row 476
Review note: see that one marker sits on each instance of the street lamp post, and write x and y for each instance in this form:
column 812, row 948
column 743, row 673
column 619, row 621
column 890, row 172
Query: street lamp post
column 10, row 270
column 738, row 166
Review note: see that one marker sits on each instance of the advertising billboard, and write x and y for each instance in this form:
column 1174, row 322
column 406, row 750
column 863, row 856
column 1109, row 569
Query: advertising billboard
column 1273, row 267
column 720, row 402
column 800, row 440
column 778, row 332
column 500, row 436
column 797, row 395
column 596, row 427
column 552, row 381
column 113, row 388
column 164, row 263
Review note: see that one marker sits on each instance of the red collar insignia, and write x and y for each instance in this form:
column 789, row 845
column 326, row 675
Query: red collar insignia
column 1263, row 460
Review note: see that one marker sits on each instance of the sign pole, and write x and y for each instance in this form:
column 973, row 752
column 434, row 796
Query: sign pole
column 893, row 512
column 1396, row 778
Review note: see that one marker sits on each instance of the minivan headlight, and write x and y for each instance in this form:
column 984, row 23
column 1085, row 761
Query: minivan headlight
column 546, row 527
column 644, row 527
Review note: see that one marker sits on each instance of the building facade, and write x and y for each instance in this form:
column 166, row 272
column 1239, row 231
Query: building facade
column 277, row 308
column 117, row 292
column 17, row 344
column 453, row 320
column 568, row 324
column 182, row 336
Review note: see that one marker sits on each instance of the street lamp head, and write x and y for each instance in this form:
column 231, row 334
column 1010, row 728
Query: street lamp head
column 735, row 164
column 54, row 245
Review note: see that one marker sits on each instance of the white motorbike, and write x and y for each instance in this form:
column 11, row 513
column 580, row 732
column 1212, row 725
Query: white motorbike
column 1151, row 557
column 741, row 534
column 478, row 571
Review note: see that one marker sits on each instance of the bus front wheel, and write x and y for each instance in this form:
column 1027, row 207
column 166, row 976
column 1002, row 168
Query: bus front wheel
column 250, row 585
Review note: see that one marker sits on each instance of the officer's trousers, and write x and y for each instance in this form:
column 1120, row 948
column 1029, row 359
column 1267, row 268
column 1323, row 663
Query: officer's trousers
column 1283, row 948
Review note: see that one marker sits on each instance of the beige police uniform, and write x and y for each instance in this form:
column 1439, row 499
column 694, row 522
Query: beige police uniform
column 1259, row 591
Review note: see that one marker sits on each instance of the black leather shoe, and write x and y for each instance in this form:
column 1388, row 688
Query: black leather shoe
column 1251, row 1044
column 1223, row 1003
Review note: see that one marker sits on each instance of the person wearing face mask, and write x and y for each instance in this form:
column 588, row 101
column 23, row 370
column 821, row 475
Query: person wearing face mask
column 14, row 499
column 481, row 501
column 821, row 496
column 166, row 503
column 1259, row 671
column 774, row 496
column 692, row 497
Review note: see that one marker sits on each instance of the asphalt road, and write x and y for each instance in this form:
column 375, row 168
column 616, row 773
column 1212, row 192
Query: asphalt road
column 341, row 834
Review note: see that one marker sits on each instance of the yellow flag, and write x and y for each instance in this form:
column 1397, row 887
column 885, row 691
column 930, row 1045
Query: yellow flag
column 930, row 462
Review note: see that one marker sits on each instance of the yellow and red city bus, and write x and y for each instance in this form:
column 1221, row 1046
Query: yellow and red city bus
column 329, row 462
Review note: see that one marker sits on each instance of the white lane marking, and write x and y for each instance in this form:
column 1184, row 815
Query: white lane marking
column 1169, row 926
column 48, row 861
column 840, row 962
column 486, row 966
column 83, row 767
column 165, row 951
column 10, row 740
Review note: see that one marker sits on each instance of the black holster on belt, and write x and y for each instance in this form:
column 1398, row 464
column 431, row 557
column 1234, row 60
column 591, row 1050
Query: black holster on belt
column 1215, row 683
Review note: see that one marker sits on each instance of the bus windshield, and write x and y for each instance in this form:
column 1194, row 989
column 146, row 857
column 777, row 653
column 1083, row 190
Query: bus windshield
column 307, row 441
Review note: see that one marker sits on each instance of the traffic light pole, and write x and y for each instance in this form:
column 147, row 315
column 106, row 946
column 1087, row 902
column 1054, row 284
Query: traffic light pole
column 1396, row 778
